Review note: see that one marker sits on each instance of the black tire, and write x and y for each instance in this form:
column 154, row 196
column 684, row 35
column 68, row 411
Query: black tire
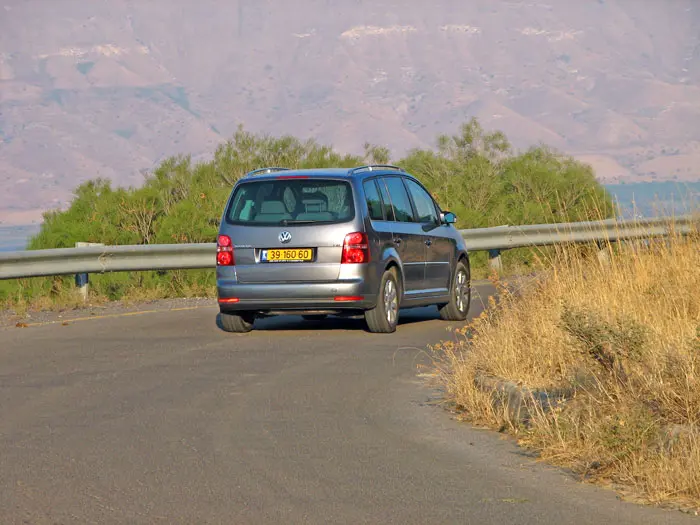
column 317, row 317
column 458, row 309
column 238, row 323
column 388, row 299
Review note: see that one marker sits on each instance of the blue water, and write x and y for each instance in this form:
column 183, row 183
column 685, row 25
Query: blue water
column 653, row 199
column 16, row 237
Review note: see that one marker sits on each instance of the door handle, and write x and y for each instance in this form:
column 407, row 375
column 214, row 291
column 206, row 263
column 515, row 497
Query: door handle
column 428, row 242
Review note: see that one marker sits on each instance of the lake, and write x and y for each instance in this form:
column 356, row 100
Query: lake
column 652, row 199
column 16, row 237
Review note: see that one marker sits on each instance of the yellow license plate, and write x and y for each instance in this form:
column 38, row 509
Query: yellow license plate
column 288, row 255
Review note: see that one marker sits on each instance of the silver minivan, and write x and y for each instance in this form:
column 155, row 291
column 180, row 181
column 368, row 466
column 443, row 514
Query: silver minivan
column 329, row 241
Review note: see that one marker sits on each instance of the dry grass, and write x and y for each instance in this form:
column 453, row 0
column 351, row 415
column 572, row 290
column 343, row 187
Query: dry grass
column 62, row 297
column 59, row 298
column 623, row 337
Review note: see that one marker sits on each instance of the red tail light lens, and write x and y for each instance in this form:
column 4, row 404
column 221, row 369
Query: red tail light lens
column 355, row 249
column 224, row 258
column 348, row 298
column 224, row 251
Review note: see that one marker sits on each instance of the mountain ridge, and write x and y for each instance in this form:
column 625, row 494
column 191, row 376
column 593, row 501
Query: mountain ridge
column 110, row 89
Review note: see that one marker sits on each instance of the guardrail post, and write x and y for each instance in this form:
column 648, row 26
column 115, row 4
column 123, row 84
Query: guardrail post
column 82, row 280
column 495, row 262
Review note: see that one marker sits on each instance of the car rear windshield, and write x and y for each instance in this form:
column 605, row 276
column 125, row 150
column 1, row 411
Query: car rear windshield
column 291, row 201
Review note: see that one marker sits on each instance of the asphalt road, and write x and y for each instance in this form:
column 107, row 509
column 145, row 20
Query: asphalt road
column 163, row 418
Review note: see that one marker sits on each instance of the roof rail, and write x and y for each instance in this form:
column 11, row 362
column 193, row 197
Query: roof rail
column 265, row 170
column 372, row 167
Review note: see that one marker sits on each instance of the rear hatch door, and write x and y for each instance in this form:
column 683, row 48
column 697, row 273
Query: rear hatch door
column 289, row 229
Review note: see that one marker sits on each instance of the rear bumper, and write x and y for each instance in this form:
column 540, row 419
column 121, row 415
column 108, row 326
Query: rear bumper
column 332, row 296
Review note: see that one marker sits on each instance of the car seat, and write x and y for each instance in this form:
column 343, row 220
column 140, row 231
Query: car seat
column 273, row 211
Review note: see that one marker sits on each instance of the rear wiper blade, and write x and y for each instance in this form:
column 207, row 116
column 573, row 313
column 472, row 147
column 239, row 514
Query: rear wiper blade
column 288, row 222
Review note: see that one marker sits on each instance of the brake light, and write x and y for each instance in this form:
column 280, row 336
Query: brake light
column 355, row 249
column 224, row 251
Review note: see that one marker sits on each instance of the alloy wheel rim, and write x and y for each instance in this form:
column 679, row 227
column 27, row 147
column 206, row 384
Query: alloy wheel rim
column 461, row 290
column 391, row 303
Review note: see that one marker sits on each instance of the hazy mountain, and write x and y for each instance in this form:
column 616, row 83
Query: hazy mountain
column 110, row 87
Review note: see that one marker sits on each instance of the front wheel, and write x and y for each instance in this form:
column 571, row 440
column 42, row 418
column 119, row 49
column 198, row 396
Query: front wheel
column 460, row 295
column 383, row 318
column 241, row 323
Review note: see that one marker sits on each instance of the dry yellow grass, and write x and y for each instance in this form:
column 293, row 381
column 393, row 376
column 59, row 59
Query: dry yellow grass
column 622, row 336
column 62, row 298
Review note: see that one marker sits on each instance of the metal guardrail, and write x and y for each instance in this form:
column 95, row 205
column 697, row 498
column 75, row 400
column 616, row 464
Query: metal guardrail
column 101, row 259
column 508, row 237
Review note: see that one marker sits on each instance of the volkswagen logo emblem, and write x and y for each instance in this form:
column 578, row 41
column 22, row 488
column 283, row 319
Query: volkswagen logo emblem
column 284, row 237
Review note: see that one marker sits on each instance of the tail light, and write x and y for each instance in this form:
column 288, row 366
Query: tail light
column 355, row 249
column 224, row 251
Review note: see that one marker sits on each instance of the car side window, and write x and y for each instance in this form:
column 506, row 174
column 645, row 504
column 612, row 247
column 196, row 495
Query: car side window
column 399, row 200
column 425, row 206
column 388, row 208
column 374, row 200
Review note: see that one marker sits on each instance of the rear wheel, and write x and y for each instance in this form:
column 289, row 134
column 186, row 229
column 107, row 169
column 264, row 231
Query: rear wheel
column 384, row 317
column 239, row 323
column 460, row 295
column 317, row 317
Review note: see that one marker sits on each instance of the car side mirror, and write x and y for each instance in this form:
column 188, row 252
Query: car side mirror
column 448, row 217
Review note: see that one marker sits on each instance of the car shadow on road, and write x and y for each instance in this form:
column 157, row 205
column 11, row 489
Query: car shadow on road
column 297, row 323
